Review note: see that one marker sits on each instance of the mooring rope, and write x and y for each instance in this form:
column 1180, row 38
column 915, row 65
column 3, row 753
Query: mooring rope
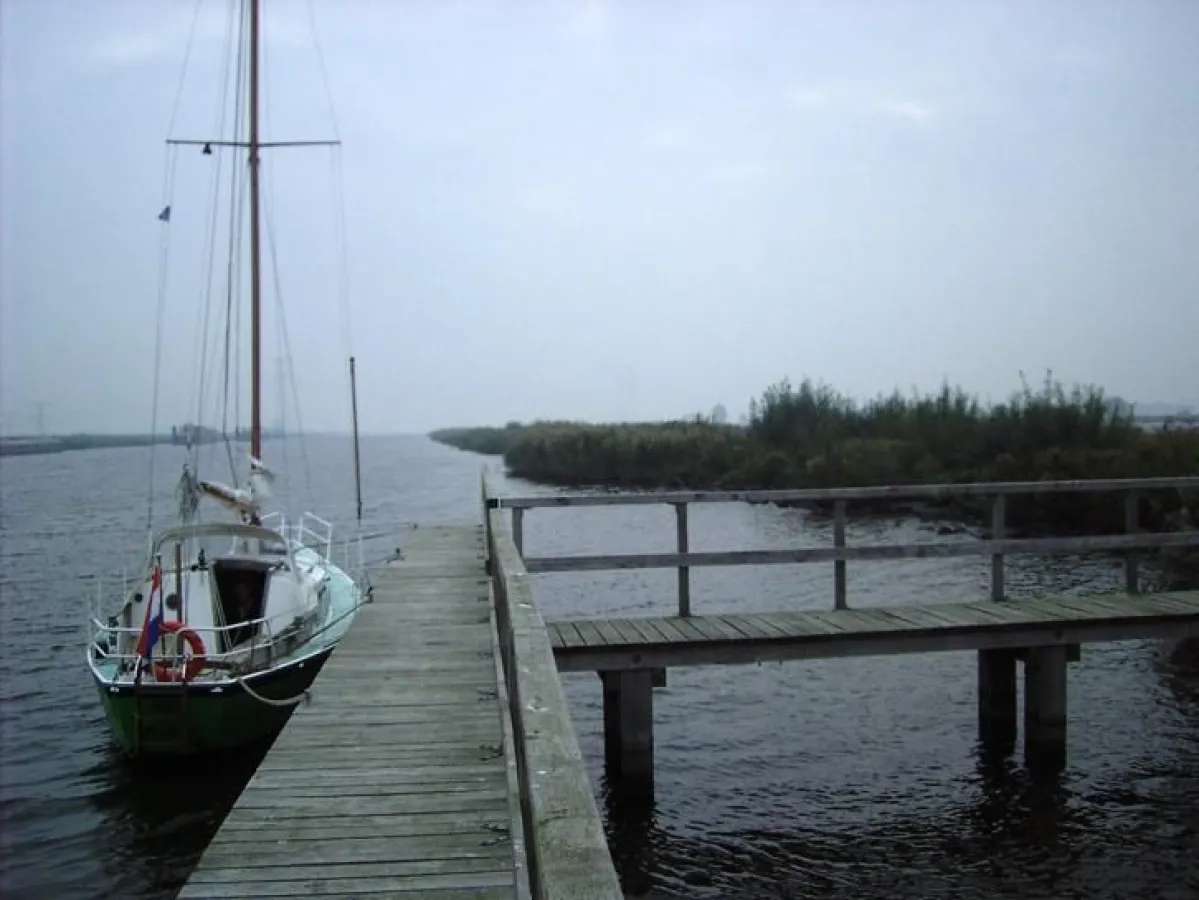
column 269, row 701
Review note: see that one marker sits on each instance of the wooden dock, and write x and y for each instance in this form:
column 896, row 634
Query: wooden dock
column 436, row 757
column 661, row 642
column 399, row 777
column 632, row 655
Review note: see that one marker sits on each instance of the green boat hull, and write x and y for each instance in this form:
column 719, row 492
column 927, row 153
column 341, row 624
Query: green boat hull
column 178, row 719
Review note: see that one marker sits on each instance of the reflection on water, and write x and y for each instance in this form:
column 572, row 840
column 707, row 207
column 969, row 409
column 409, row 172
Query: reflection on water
column 992, row 830
column 840, row 778
column 634, row 837
column 163, row 811
column 113, row 825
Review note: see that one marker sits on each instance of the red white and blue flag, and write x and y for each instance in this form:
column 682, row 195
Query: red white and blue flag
column 152, row 623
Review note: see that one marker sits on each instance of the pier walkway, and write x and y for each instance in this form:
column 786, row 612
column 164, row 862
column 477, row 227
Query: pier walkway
column 399, row 777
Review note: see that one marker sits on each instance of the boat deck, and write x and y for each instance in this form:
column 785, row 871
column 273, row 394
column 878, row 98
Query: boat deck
column 396, row 777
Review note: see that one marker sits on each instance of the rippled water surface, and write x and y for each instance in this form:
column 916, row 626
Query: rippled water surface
column 846, row 778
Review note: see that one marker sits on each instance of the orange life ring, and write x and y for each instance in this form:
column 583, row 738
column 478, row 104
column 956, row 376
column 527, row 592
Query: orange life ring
column 195, row 663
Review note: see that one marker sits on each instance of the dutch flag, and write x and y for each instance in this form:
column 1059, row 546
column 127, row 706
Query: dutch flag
column 152, row 624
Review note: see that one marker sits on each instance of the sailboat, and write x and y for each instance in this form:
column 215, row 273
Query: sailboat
column 228, row 622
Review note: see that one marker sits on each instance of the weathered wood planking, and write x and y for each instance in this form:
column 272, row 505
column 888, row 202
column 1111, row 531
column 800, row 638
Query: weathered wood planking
column 569, row 856
column 396, row 779
column 639, row 643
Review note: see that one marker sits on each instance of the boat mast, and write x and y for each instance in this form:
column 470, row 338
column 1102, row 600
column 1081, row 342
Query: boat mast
column 255, row 262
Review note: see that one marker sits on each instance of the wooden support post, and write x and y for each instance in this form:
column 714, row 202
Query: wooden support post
column 518, row 529
column 629, row 730
column 1131, row 525
column 1045, row 709
column 637, row 731
column 997, row 699
column 680, row 513
column 659, row 676
column 839, row 599
column 997, row 668
column 611, row 687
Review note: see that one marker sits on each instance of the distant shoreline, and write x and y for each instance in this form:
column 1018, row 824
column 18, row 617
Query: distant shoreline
column 63, row 443
column 37, row 446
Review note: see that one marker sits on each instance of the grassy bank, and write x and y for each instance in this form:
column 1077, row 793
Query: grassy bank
column 810, row 436
column 494, row 440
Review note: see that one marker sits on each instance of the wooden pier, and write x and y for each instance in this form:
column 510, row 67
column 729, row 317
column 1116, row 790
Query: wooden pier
column 436, row 757
column 632, row 655
column 401, row 776
column 1044, row 633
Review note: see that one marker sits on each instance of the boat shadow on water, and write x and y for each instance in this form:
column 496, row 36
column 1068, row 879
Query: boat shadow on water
column 162, row 812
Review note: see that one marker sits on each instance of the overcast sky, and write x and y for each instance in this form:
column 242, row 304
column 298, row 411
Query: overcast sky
column 612, row 210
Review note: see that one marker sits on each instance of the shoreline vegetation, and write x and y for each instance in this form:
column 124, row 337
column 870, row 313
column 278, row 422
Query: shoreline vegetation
column 811, row 436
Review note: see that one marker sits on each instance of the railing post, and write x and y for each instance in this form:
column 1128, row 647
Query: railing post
column 997, row 531
column 518, row 529
column 839, row 598
column 1132, row 525
column 680, row 518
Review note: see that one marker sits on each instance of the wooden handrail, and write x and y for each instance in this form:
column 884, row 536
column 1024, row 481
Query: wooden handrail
column 875, row 492
column 873, row 553
column 997, row 547
column 564, row 836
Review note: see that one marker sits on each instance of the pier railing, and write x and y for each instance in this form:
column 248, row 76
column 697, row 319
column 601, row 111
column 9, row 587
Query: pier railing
column 996, row 546
column 564, row 836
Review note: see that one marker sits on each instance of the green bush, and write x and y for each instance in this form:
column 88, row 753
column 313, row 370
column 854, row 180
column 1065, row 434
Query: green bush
column 810, row 436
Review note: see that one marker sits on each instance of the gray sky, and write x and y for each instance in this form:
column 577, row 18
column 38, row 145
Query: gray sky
column 615, row 210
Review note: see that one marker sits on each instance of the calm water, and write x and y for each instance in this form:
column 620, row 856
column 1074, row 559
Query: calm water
column 850, row 778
